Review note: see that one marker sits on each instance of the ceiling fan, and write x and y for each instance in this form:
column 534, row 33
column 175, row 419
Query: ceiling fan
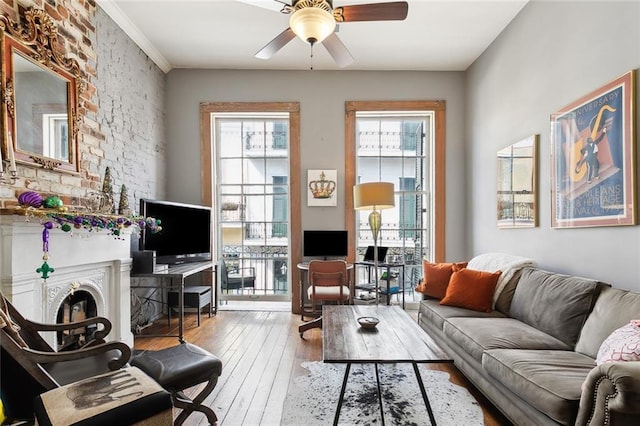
column 314, row 21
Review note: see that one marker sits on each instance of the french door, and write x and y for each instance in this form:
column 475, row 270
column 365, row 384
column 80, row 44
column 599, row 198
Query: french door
column 250, row 187
column 398, row 142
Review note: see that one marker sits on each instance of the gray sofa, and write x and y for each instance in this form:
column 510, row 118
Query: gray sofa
column 534, row 356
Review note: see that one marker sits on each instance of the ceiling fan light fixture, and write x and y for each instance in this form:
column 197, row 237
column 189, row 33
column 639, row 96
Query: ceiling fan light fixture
column 312, row 24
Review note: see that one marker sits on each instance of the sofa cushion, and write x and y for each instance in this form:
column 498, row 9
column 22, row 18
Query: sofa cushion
column 436, row 313
column 601, row 323
column 504, row 298
column 549, row 380
column 554, row 303
column 476, row 335
column 471, row 289
column 436, row 278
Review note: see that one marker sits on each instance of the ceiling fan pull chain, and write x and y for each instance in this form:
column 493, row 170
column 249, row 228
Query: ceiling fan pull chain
column 311, row 56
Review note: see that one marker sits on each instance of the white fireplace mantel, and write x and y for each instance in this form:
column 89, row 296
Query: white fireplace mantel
column 92, row 261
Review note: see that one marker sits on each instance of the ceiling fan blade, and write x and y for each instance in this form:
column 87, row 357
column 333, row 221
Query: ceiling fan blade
column 276, row 44
column 338, row 50
column 275, row 5
column 392, row 11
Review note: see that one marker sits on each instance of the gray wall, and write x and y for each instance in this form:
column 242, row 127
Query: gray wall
column 131, row 113
column 322, row 97
column 550, row 55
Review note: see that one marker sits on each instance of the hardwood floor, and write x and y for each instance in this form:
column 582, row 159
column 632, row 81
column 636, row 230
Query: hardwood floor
column 261, row 352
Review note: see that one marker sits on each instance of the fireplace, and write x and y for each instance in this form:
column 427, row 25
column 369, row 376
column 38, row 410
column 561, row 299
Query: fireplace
column 95, row 263
column 77, row 306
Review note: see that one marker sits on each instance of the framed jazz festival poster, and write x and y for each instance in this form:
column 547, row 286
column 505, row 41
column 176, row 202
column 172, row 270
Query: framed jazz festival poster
column 593, row 158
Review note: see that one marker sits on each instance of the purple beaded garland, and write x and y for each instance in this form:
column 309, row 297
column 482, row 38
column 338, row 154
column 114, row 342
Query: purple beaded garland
column 45, row 236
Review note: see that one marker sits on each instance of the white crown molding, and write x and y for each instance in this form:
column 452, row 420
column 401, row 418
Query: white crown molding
column 119, row 17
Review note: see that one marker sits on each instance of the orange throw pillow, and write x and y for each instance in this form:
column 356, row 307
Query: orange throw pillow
column 436, row 278
column 471, row 289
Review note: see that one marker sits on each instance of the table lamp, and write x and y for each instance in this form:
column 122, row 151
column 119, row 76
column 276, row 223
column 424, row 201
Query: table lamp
column 374, row 196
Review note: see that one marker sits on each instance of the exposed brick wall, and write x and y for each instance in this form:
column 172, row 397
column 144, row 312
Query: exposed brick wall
column 131, row 113
column 122, row 108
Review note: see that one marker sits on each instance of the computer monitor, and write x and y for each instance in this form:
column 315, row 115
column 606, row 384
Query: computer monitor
column 382, row 254
column 325, row 244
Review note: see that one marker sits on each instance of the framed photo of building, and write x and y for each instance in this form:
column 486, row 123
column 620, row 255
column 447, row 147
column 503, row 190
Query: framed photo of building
column 322, row 188
column 517, row 196
column 593, row 158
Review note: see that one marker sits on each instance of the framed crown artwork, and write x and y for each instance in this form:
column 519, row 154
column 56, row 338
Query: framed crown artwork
column 593, row 158
column 322, row 188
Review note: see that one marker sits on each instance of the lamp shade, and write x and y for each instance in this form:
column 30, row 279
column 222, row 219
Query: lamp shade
column 373, row 196
column 312, row 24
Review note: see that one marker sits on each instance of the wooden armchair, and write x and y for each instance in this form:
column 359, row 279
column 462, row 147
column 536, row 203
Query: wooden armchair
column 30, row 366
column 28, row 360
column 328, row 282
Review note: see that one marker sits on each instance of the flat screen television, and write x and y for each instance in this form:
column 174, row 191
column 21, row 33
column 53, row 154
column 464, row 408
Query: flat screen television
column 185, row 234
column 325, row 244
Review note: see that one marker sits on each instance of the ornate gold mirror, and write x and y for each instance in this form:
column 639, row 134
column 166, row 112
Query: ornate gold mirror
column 40, row 86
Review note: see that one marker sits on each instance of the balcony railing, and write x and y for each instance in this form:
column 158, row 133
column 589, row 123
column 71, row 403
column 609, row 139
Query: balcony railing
column 265, row 230
column 270, row 264
column 387, row 141
column 259, row 141
column 389, row 232
column 518, row 210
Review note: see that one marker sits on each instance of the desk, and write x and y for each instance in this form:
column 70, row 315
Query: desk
column 303, row 267
column 177, row 274
column 370, row 286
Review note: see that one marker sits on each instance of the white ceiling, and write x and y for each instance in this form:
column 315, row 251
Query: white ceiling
column 438, row 35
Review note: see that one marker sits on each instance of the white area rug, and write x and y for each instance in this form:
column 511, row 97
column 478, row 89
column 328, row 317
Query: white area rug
column 312, row 399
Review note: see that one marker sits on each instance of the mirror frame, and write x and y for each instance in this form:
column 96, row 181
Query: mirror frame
column 37, row 41
column 516, row 200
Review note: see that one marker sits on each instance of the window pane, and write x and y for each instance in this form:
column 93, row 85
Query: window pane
column 280, row 135
column 230, row 171
column 254, row 170
column 277, row 167
column 229, row 139
column 393, row 147
column 411, row 135
column 252, row 194
column 280, row 207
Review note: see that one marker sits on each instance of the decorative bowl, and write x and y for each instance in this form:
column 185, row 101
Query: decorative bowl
column 368, row 323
